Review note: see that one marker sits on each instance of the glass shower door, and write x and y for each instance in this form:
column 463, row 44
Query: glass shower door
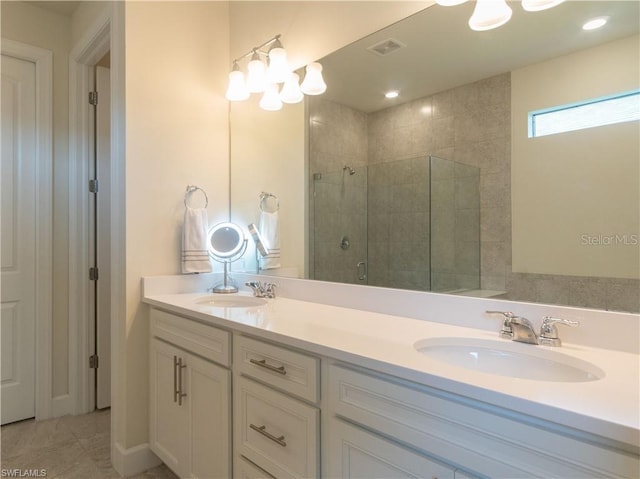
column 339, row 226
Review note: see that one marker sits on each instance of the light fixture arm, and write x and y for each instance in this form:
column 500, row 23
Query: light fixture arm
column 258, row 49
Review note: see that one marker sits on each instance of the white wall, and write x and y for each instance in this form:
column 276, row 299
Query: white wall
column 177, row 60
column 594, row 171
column 44, row 29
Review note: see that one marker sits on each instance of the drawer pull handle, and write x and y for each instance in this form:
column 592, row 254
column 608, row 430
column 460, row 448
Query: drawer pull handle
column 181, row 395
column 262, row 430
column 176, row 391
column 263, row 364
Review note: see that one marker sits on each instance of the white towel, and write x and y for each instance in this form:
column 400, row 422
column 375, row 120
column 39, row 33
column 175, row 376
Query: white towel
column 195, row 241
column 270, row 231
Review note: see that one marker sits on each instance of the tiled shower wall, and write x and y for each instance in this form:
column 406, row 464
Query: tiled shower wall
column 469, row 124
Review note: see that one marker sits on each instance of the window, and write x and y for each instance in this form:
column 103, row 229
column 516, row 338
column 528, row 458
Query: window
column 578, row 116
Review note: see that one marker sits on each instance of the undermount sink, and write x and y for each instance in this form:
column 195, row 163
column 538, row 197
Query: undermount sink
column 233, row 301
column 504, row 358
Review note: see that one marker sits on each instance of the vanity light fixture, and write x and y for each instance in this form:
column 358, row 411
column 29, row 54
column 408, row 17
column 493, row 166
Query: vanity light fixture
column 237, row 89
column 271, row 99
column 257, row 76
column 313, row 83
column 489, row 14
column 538, row 5
column 268, row 79
column 291, row 92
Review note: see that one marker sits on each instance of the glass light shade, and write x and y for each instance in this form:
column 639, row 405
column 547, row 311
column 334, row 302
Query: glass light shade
column 490, row 14
column 270, row 101
column 313, row 83
column 537, row 5
column 449, row 3
column 291, row 92
column 278, row 67
column 257, row 76
column 237, row 89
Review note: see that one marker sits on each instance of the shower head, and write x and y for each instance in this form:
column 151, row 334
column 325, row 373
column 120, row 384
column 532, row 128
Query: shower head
column 349, row 169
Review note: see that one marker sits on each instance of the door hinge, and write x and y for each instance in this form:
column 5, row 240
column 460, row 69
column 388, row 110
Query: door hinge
column 93, row 98
column 93, row 361
column 93, row 186
column 93, row 274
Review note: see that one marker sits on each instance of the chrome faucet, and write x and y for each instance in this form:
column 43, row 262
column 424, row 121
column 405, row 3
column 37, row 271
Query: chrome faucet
column 262, row 290
column 520, row 329
column 523, row 330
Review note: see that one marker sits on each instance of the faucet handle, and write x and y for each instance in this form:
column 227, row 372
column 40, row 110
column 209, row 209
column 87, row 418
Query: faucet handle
column 549, row 332
column 270, row 290
column 506, row 331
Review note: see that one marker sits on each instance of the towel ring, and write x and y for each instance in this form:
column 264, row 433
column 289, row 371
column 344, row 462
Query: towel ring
column 193, row 189
column 264, row 197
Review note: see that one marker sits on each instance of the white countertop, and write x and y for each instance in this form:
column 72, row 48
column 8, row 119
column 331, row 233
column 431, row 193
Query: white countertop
column 608, row 407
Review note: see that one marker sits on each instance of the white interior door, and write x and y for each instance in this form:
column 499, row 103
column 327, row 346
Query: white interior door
column 18, row 297
column 103, row 233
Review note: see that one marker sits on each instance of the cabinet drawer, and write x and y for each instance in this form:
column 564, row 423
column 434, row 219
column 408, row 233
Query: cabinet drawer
column 469, row 434
column 290, row 371
column 207, row 341
column 245, row 469
column 358, row 454
column 274, row 431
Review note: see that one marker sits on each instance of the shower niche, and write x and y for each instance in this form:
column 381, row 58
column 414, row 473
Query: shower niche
column 412, row 224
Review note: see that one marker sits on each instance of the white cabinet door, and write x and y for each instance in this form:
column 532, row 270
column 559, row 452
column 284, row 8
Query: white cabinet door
column 208, row 389
column 169, row 421
column 274, row 431
column 190, row 413
column 357, row 454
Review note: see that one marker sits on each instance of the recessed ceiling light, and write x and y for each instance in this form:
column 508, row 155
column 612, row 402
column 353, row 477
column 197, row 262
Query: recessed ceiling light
column 595, row 23
column 391, row 94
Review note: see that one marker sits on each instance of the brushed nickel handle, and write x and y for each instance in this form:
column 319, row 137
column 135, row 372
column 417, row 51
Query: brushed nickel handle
column 263, row 364
column 176, row 391
column 180, row 393
column 263, row 430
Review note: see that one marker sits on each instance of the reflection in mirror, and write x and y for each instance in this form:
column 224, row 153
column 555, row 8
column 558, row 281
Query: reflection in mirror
column 545, row 207
column 226, row 245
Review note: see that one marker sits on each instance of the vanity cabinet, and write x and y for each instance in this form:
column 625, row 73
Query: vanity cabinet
column 416, row 425
column 190, row 397
column 355, row 453
column 276, row 418
column 374, row 425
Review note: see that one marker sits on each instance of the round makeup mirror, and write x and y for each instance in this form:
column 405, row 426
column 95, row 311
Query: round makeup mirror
column 225, row 240
column 226, row 245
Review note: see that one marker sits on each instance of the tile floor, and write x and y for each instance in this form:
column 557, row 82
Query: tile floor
column 69, row 447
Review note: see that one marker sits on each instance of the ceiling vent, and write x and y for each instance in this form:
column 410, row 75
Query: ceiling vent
column 386, row 47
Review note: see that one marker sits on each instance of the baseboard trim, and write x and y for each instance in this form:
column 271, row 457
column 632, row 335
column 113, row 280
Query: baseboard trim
column 135, row 460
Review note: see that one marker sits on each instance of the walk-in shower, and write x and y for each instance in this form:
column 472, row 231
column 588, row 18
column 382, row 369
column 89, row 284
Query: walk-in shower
column 412, row 224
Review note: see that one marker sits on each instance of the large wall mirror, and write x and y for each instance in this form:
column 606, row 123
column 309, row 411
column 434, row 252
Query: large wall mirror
column 443, row 188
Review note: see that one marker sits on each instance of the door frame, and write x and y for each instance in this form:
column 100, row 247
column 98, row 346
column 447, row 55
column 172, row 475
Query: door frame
column 104, row 35
column 43, row 60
